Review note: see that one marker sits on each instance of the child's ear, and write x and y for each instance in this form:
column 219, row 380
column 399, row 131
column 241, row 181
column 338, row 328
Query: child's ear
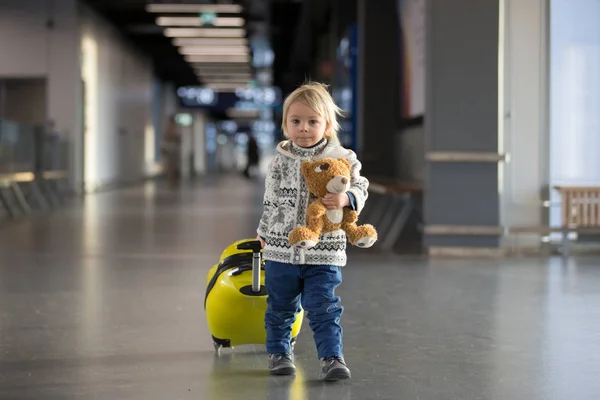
column 327, row 133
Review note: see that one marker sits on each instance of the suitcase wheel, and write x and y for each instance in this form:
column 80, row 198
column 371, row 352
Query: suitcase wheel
column 218, row 347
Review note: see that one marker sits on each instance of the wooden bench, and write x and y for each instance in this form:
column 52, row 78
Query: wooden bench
column 580, row 211
column 389, row 207
column 580, row 214
column 580, row 206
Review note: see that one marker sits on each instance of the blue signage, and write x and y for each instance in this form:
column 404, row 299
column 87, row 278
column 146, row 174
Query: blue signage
column 242, row 98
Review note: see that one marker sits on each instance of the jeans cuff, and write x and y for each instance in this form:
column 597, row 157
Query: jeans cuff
column 331, row 354
column 278, row 348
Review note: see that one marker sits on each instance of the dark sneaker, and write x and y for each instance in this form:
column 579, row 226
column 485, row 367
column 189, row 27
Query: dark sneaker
column 335, row 368
column 282, row 364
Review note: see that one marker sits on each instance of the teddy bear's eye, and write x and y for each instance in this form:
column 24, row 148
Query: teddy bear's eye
column 322, row 167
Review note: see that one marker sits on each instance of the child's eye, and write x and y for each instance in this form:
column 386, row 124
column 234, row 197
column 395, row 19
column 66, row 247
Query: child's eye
column 295, row 121
column 314, row 121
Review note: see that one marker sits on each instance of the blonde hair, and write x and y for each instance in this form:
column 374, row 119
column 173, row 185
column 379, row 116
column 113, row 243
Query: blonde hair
column 315, row 96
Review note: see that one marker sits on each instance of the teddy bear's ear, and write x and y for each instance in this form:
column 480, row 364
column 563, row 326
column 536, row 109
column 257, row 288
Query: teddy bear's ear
column 345, row 161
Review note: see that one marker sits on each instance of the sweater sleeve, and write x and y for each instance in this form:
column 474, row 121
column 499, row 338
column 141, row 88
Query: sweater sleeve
column 270, row 198
column 359, row 184
column 352, row 201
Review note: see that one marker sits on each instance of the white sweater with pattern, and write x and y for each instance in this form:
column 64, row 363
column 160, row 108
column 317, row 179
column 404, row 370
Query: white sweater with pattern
column 286, row 199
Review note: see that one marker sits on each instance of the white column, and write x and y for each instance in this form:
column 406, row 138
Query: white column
column 64, row 90
column 186, row 150
column 523, row 109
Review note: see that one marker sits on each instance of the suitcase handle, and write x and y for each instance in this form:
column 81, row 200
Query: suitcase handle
column 256, row 248
column 253, row 245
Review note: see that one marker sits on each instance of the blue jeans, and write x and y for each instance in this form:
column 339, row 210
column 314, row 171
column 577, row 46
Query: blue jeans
column 313, row 286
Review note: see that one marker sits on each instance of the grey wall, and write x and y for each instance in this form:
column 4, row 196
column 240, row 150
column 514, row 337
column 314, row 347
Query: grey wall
column 24, row 100
column 409, row 150
column 462, row 115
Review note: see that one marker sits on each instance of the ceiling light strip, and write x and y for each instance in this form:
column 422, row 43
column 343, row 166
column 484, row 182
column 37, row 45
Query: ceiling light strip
column 213, row 50
column 219, row 58
column 194, row 8
column 205, row 32
column 222, row 71
column 193, row 41
column 220, row 67
column 222, row 22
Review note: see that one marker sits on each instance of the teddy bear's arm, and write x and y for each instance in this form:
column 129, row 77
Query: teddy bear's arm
column 307, row 236
column 315, row 216
column 316, row 209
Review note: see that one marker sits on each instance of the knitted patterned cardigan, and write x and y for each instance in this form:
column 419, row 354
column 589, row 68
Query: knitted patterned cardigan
column 286, row 199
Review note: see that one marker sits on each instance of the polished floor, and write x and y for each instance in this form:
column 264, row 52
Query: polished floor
column 103, row 300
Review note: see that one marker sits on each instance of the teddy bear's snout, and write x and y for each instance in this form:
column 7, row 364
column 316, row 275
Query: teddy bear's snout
column 338, row 184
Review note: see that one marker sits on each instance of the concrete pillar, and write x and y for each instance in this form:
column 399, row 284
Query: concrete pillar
column 462, row 116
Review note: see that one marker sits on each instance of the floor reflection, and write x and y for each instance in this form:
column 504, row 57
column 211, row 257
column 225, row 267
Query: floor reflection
column 103, row 298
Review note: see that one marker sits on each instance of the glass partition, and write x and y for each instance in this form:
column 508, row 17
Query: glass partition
column 28, row 148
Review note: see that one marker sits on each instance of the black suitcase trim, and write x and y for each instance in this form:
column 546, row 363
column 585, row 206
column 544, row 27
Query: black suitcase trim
column 247, row 290
column 222, row 342
column 243, row 261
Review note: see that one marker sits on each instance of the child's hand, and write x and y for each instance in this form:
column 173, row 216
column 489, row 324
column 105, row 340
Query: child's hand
column 262, row 242
column 338, row 200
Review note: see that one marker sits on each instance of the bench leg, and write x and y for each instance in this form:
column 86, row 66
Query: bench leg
column 38, row 195
column 566, row 249
column 368, row 208
column 60, row 189
column 514, row 243
column 12, row 213
column 379, row 211
column 16, row 189
column 49, row 193
column 394, row 208
column 398, row 225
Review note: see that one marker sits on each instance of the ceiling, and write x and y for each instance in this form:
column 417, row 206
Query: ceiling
column 274, row 19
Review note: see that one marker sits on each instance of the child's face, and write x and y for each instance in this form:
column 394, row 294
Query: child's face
column 304, row 126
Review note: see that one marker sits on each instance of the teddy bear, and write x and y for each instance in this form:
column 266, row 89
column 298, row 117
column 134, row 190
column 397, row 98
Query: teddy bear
column 329, row 175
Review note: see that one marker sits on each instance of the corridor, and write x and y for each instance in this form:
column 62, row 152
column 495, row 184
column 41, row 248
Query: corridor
column 103, row 299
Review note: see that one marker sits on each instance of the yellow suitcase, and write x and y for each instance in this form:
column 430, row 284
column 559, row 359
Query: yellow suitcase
column 236, row 298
